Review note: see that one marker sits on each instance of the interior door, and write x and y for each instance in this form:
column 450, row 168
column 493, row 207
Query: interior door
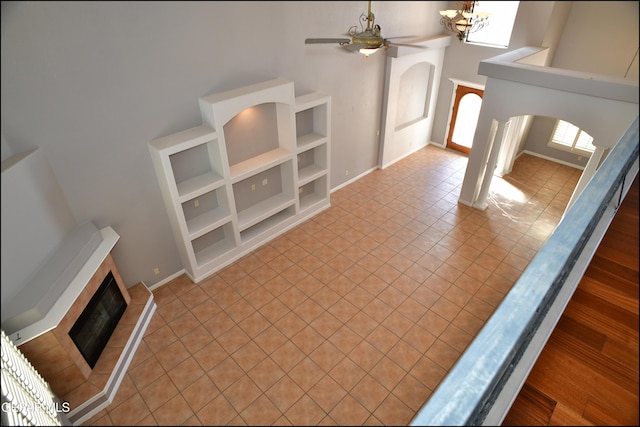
column 464, row 118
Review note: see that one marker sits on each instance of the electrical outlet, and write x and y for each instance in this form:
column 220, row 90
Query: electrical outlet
column 265, row 182
column 253, row 187
column 346, row 172
column 196, row 203
column 156, row 271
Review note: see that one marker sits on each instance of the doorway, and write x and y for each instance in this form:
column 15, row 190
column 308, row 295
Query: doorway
column 464, row 117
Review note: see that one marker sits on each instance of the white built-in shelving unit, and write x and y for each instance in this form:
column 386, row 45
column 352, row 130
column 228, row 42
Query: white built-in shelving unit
column 256, row 167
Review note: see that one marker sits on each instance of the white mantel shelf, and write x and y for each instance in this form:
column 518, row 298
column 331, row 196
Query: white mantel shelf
column 64, row 302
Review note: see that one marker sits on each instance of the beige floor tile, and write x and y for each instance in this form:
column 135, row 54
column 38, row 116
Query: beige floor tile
column 351, row 318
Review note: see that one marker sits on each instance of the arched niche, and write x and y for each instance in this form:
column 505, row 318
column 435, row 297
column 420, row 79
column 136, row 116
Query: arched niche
column 411, row 91
column 414, row 90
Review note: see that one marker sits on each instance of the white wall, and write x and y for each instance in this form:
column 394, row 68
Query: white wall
column 600, row 38
column 35, row 219
column 608, row 28
column 92, row 82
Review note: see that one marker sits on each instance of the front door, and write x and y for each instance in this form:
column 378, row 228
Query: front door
column 464, row 118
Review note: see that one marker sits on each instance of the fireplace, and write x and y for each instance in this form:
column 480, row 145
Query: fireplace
column 86, row 375
column 98, row 320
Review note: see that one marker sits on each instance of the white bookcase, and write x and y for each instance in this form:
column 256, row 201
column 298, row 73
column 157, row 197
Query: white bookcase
column 258, row 166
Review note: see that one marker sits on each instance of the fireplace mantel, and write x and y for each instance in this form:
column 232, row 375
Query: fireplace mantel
column 61, row 306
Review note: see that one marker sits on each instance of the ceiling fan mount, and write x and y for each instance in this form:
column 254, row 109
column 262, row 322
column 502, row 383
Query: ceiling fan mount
column 366, row 41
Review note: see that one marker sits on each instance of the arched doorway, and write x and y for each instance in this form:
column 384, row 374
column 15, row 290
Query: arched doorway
column 464, row 117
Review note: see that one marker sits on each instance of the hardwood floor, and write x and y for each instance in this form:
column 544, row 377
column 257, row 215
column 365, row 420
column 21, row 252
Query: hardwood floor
column 587, row 374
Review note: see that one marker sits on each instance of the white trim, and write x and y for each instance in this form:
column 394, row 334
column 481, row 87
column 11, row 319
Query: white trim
column 386, row 165
column 461, row 82
column 354, row 179
column 167, row 279
column 562, row 162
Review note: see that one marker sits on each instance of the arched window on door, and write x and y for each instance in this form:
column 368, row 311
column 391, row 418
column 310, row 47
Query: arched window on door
column 464, row 117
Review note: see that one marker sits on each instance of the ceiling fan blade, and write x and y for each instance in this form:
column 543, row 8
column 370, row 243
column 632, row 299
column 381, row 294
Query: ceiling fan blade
column 326, row 40
column 401, row 37
column 354, row 47
column 407, row 45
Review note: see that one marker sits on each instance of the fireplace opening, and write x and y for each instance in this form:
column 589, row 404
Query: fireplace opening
column 98, row 320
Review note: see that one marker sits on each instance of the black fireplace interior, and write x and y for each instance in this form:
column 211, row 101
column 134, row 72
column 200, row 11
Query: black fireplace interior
column 98, row 320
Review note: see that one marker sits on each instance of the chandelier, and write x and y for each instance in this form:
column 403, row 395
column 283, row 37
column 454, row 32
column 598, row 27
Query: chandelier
column 464, row 20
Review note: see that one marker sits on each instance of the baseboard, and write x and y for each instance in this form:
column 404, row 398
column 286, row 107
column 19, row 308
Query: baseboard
column 166, row 279
column 551, row 159
column 354, row 179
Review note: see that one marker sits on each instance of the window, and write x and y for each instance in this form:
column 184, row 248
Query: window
column 498, row 32
column 568, row 137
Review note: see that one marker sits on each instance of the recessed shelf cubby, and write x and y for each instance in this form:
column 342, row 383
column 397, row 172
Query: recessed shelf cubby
column 206, row 212
column 193, row 160
column 313, row 193
column 256, row 167
column 267, row 224
column 312, row 163
column 312, row 119
column 264, row 194
column 213, row 244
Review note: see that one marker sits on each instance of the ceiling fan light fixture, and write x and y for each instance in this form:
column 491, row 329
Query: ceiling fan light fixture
column 464, row 20
column 367, row 41
column 368, row 51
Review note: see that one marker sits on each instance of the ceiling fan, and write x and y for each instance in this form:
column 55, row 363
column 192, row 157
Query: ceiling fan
column 366, row 41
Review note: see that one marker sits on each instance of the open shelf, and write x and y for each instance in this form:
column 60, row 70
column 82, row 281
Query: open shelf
column 267, row 224
column 259, row 163
column 312, row 163
column 206, row 212
column 196, row 169
column 195, row 186
column 263, row 194
column 312, row 113
column 311, row 140
column 184, row 140
column 314, row 193
column 213, row 244
column 262, row 210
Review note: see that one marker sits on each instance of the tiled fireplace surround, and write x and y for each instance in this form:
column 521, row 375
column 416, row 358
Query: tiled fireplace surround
column 59, row 361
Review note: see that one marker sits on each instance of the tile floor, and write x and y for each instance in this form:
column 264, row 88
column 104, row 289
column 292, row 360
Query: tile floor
column 352, row 318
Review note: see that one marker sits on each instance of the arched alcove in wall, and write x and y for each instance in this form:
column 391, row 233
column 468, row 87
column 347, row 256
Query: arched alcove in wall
column 414, row 90
column 411, row 91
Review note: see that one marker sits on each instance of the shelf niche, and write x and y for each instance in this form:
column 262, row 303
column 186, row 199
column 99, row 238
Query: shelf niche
column 213, row 244
column 206, row 211
column 312, row 163
column 196, row 168
column 264, row 194
column 252, row 132
column 311, row 122
column 313, row 193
